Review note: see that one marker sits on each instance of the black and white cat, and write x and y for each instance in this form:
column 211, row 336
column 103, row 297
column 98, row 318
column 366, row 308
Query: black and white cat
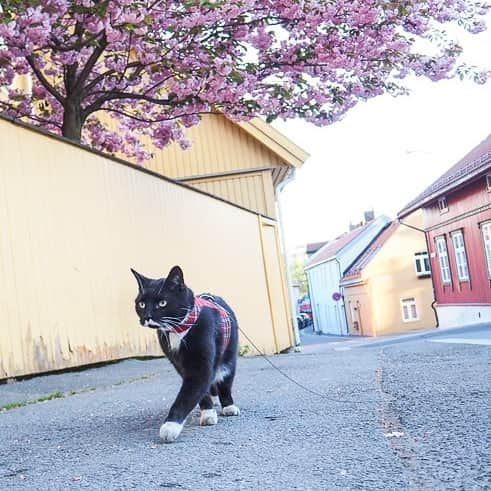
column 199, row 336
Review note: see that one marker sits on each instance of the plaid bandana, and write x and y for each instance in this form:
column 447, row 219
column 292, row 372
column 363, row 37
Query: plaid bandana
column 207, row 300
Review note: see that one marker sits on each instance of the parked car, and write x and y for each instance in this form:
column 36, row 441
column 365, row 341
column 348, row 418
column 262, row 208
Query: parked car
column 304, row 317
column 303, row 320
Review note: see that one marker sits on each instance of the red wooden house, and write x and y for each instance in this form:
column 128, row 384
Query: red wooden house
column 457, row 224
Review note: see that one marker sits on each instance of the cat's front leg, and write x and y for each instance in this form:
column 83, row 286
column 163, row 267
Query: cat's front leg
column 191, row 393
column 208, row 415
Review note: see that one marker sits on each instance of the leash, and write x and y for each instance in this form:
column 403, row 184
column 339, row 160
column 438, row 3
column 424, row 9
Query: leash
column 291, row 379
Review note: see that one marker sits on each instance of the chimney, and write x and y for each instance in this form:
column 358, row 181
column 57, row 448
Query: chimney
column 369, row 215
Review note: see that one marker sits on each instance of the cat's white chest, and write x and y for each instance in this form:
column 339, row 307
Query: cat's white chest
column 175, row 340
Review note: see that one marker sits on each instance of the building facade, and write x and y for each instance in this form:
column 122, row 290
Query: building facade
column 388, row 289
column 325, row 270
column 244, row 163
column 457, row 223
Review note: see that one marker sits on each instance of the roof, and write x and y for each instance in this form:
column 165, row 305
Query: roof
column 334, row 246
column 473, row 164
column 314, row 247
column 356, row 269
column 276, row 141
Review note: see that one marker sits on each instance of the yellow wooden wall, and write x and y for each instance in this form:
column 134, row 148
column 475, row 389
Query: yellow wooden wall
column 228, row 161
column 253, row 191
column 72, row 223
column 218, row 145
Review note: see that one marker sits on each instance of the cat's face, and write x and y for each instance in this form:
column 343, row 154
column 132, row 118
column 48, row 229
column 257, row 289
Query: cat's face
column 162, row 303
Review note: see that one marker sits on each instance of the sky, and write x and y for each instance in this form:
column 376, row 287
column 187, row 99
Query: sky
column 384, row 152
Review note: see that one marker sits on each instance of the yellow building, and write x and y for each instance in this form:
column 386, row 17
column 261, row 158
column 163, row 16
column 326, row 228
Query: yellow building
column 74, row 221
column 241, row 162
column 388, row 289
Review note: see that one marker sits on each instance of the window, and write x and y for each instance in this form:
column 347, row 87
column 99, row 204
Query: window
column 441, row 250
column 486, row 237
column 460, row 256
column 422, row 264
column 488, row 182
column 442, row 204
column 409, row 311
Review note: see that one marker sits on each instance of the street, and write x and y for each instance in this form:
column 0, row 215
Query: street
column 404, row 415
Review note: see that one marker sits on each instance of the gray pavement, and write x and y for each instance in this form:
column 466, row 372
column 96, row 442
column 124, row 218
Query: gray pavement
column 411, row 415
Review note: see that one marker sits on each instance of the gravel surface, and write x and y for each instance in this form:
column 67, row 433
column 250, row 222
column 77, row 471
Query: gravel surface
column 405, row 416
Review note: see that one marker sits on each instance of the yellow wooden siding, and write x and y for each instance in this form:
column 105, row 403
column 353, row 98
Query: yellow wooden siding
column 274, row 269
column 221, row 146
column 73, row 223
column 218, row 145
column 253, row 191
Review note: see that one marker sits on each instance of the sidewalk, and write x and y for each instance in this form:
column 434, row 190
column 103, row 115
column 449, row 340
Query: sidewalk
column 79, row 381
column 315, row 343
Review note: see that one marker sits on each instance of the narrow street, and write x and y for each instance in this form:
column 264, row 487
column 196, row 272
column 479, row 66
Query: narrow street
column 405, row 415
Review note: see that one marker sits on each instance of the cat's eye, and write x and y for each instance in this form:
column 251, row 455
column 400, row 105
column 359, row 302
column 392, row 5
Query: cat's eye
column 141, row 305
column 162, row 303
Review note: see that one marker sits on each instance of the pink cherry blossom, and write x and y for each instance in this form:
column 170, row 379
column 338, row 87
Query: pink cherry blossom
column 156, row 66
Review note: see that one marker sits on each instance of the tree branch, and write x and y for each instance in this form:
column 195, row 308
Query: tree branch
column 56, row 46
column 111, row 96
column 32, row 117
column 39, row 74
column 98, row 79
column 150, row 121
column 78, row 87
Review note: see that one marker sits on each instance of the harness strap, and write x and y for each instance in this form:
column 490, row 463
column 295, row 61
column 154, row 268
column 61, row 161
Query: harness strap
column 207, row 300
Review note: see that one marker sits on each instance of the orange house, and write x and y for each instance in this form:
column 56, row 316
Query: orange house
column 388, row 289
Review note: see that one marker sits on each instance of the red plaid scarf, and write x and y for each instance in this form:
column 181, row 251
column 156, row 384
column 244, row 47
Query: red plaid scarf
column 206, row 300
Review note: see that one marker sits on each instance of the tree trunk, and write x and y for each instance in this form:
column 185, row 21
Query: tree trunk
column 72, row 122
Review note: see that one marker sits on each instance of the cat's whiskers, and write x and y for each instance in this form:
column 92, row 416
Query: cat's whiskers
column 166, row 321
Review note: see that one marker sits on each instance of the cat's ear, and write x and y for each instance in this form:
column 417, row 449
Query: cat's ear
column 175, row 279
column 142, row 281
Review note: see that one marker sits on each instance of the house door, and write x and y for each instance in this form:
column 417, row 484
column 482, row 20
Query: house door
column 355, row 310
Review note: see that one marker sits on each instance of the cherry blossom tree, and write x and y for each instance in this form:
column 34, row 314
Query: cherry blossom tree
column 156, row 65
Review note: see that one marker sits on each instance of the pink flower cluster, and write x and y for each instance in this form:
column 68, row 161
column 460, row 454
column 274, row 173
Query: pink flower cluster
column 155, row 66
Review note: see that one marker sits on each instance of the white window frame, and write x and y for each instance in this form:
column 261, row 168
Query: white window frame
column 460, row 255
column 443, row 260
column 409, row 310
column 443, row 204
column 488, row 182
column 486, row 239
column 422, row 259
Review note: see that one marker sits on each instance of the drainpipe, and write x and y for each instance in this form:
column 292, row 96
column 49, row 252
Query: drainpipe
column 291, row 296
column 340, row 287
column 431, row 269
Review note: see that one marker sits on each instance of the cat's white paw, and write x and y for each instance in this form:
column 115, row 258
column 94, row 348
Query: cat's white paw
column 231, row 410
column 169, row 431
column 208, row 417
column 215, row 400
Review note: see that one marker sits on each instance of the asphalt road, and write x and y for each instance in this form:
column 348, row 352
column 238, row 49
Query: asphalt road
column 412, row 415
